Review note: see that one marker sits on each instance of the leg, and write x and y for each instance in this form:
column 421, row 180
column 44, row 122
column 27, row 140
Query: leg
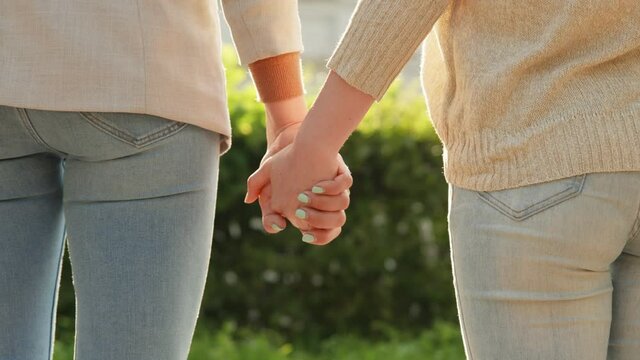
column 624, row 342
column 539, row 287
column 31, row 243
column 140, row 230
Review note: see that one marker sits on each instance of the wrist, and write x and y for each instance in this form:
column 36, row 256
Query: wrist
column 284, row 114
column 335, row 114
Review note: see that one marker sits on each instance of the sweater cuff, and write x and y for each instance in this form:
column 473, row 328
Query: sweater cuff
column 278, row 77
column 381, row 38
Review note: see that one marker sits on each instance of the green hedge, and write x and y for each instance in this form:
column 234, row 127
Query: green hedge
column 390, row 266
column 441, row 342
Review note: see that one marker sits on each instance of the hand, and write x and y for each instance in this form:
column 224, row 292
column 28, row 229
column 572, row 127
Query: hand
column 284, row 119
column 272, row 222
column 283, row 122
column 292, row 180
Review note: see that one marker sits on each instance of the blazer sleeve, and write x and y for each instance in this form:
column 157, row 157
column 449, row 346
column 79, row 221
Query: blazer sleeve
column 263, row 28
column 381, row 38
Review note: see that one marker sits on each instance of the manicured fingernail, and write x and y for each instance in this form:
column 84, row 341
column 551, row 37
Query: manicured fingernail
column 308, row 238
column 303, row 198
column 276, row 227
column 317, row 190
column 301, row 214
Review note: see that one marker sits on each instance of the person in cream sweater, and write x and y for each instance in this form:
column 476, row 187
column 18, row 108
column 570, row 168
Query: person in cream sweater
column 537, row 104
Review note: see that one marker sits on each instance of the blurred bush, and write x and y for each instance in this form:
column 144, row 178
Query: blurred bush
column 228, row 342
column 389, row 268
column 390, row 265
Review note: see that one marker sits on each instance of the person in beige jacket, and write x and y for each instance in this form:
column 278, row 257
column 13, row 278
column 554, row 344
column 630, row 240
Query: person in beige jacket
column 113, row 117
column 537, row 105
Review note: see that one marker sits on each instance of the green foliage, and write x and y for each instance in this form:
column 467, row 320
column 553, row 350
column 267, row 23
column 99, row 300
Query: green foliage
column 442, row 342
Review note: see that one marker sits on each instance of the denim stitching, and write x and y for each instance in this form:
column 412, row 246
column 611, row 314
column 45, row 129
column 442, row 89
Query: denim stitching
column 559, row 194
column 24, row 117
column 571, row 188
column 522, row 214
column 129, row 138
column 124, row 133
column 575, row 189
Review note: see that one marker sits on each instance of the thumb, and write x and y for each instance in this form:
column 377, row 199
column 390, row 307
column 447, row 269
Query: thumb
column 258, row 180
column 342, row 167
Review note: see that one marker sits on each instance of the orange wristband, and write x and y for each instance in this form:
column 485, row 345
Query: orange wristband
column 278, row 77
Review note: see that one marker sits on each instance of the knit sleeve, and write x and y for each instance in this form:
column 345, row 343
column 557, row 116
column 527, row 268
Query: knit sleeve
column 380, row 39
column 263, row 28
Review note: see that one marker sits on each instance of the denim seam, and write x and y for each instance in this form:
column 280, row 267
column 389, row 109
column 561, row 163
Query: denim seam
column 26, row 121
column 56, row 289
column 129, row 138
column 574, row 190
column 455, row 284
column 635, row 229
column 572, row 187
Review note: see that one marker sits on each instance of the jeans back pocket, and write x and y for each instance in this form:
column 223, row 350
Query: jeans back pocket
column 138, row 130
column 523, row 202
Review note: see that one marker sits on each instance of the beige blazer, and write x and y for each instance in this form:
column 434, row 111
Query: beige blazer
column 159, row 57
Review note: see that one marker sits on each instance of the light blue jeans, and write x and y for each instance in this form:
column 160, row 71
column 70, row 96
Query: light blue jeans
column 549, row 271
column 134, row 196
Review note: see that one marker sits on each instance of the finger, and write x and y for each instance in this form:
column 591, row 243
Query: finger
column 325, row 202
column 272, row 222
column 336, row 186
column 258, row 180
column 299, row 223
column 321, row 219
column 320, row 236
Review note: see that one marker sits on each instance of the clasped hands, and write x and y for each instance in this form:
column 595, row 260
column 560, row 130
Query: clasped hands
column 304, row 183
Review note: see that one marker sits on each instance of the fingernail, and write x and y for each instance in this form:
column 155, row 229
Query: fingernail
column 308, row 238
column 276, row 227
column 317, row 190
column 303, row 198
column 348, row 192
column 301, row 214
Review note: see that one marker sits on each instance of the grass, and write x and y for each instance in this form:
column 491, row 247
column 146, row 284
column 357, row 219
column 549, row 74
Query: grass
column 441, row 342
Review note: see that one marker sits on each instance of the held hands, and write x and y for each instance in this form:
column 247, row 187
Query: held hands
column 298, row 179
column 309, row 187
column 284, row 183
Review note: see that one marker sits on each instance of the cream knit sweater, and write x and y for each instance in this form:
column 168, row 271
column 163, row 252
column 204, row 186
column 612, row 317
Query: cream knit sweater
column 519, row 91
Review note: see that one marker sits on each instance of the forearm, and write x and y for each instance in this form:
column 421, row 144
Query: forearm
column 335, row 114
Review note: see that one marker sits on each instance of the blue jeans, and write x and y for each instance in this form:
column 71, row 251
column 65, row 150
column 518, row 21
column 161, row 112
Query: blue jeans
column 134, row 196
column 549, row 271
